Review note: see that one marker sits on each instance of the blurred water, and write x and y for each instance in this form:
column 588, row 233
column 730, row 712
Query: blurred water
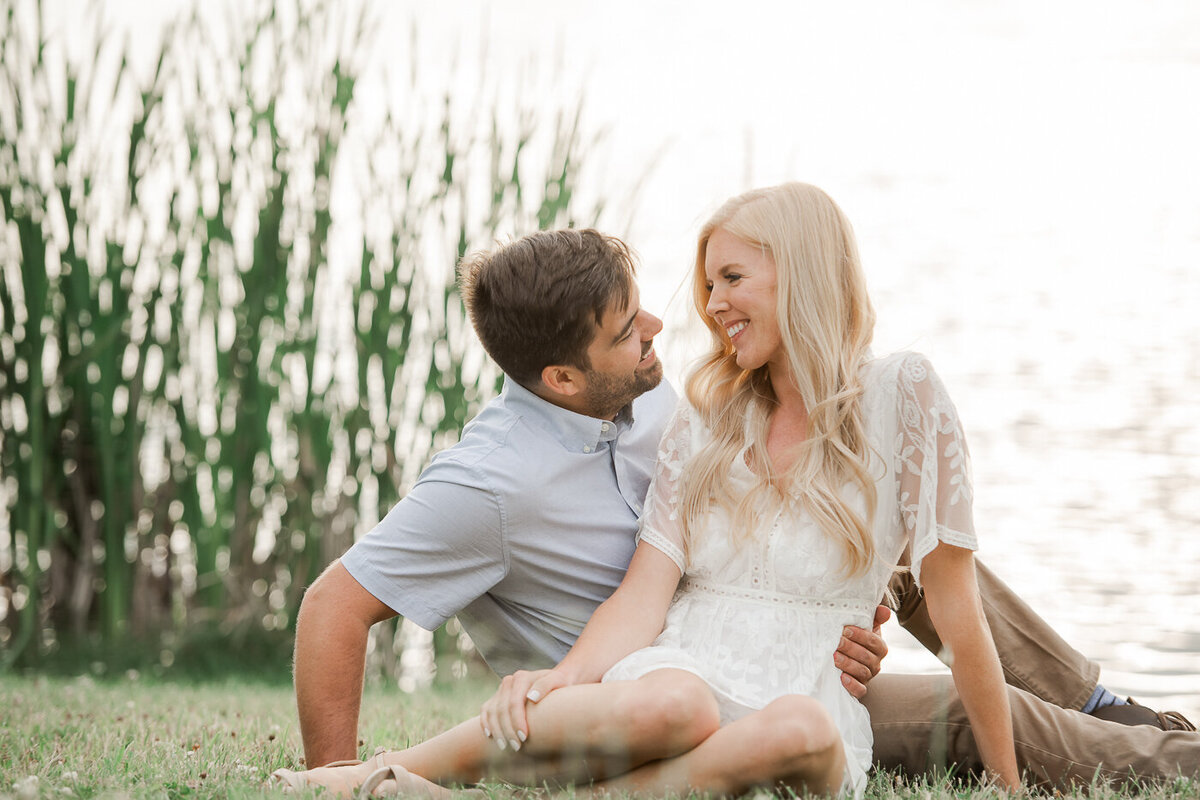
column 1076, row 372
column 1025, row 183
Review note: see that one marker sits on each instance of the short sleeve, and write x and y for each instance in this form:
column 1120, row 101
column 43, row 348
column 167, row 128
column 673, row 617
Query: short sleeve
column 662, row 522
column 932, row 465
column 438, row 550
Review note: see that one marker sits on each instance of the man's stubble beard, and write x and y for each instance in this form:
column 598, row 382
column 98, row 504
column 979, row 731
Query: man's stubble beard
column 608, row 394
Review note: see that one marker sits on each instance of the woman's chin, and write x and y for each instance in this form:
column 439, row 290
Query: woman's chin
column 747, row 361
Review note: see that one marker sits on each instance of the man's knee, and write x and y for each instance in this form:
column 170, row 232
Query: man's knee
column 919, row 723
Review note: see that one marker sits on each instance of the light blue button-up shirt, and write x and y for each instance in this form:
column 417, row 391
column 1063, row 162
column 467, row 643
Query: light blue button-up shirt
column 522, row 528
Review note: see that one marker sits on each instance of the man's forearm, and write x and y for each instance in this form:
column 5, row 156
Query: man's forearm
column 330, row 654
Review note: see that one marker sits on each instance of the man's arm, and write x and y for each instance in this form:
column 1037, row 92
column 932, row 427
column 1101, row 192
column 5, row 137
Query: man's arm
column 331, row 643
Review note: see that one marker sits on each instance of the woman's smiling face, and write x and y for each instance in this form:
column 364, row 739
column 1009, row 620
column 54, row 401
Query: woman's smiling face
column 742, row 298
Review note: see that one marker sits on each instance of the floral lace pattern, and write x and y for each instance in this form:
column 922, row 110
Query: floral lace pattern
column 931, row 463
column 761, row 619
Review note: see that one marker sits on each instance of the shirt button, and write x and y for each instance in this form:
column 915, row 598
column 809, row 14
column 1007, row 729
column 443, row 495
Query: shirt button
column 587, row 448
column 604, row 427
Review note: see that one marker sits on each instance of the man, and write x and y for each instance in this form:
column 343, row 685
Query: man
column 528, row 523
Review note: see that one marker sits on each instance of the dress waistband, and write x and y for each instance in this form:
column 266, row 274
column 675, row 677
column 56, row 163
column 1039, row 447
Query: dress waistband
column 841, row 604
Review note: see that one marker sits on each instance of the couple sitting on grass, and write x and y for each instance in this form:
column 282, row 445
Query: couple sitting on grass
column 684, row 595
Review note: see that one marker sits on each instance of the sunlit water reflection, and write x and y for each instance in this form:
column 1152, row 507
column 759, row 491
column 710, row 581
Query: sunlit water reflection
column 1077, row 380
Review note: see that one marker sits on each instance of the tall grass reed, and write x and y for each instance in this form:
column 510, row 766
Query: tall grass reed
column 229, row 332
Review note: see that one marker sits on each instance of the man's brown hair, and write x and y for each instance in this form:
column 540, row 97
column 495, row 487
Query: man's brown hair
column 538, row 301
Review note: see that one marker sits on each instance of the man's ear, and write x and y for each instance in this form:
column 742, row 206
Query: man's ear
column 561, row 380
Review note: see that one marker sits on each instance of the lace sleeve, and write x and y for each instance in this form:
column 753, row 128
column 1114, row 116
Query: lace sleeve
column 662, row 524
column 932, row 465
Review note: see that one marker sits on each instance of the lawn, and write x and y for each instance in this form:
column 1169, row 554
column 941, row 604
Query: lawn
column 130, row 737
column 82, row 737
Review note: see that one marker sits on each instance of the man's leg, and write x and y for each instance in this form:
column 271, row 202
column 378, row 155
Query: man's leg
column 920, row 724
column 1034, row 657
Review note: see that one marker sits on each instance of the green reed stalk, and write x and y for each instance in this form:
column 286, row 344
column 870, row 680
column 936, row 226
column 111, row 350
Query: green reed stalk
column 25, row 437
column 193, row 403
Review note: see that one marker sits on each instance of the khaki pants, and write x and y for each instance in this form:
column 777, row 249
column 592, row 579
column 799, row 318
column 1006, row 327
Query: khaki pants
column 919, row 722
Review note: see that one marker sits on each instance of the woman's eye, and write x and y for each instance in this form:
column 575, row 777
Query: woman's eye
column 733, row 277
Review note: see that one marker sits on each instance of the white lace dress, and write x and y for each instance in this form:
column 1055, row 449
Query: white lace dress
column 762, row 619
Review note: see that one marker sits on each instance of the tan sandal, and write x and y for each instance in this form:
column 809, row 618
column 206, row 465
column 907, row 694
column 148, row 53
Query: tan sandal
column 292, row 780
column 394, row 780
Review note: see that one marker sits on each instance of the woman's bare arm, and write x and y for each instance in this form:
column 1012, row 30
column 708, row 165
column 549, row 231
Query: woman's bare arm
column 627, row 621
column 951, row 593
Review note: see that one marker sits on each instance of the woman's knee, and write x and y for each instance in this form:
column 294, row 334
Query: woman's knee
column 800, row 728
column 677, row 710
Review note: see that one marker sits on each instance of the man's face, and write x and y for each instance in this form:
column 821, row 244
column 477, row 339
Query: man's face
column 623, row 361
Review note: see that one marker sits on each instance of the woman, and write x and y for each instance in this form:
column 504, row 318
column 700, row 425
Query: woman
column 794, row 477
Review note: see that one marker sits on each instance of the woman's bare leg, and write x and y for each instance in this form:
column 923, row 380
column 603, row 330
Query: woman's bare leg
column 657, row 734
column 579, row 733
column 576, row 734
column 793, row 742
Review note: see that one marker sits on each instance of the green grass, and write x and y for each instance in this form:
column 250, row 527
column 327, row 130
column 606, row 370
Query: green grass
column 130, row 737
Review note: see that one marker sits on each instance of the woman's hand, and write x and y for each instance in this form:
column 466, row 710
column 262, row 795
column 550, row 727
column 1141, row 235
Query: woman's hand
column 627, row 620
column 503, row 716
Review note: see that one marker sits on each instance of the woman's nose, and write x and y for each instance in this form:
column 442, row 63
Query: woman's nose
column 716, row 302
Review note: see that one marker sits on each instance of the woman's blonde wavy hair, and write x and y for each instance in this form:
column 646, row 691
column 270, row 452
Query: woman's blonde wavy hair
column 826, row 322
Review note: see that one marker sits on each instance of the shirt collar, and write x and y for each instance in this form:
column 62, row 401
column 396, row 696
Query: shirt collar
column 577, row 433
